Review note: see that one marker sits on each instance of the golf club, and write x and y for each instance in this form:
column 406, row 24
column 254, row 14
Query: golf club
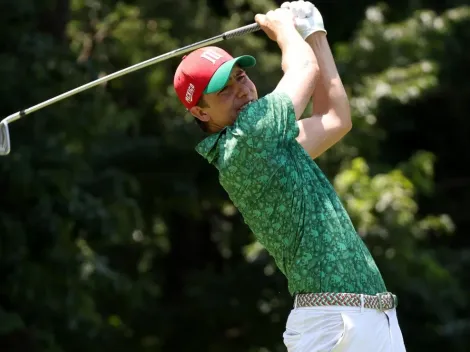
column 5, row 145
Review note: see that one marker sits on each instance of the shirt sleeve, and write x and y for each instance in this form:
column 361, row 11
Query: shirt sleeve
column 268, row 120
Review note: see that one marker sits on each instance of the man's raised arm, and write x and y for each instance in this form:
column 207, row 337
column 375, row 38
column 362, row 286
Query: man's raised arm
column 331, row 118
column 298, row 60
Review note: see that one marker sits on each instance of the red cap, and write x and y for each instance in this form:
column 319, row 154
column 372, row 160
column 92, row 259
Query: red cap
column 196, row 73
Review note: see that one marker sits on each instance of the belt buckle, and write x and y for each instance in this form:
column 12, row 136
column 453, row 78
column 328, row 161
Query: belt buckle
column 379, row 297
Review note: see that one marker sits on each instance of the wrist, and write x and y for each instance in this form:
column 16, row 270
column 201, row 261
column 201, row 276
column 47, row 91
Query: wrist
column 317, row 40
column 287, row 36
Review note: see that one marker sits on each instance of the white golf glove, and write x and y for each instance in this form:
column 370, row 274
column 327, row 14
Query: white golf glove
column 308, row 19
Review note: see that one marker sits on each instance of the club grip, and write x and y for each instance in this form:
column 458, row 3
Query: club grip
column 242, row 31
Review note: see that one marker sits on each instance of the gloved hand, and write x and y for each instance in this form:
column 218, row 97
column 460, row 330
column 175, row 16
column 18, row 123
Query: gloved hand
column 308, row 19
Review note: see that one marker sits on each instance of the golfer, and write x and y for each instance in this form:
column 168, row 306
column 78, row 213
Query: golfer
column 265, row 158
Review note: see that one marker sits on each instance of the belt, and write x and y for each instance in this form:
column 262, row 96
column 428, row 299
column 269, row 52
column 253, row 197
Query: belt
column 380, row 301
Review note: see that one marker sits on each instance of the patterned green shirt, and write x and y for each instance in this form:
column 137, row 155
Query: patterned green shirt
column 288, row 203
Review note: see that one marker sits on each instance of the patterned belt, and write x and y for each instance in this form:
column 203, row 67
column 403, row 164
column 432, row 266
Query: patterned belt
column 381, row 301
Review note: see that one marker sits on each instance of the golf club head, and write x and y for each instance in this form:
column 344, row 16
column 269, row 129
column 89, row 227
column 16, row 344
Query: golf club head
column 4, row 139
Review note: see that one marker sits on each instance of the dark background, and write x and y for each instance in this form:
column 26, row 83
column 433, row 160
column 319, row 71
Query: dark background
column 115, row 234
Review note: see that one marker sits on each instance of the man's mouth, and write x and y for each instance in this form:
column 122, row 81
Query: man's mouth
column 244, row 106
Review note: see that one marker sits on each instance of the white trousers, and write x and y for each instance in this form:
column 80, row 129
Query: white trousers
column 343, row 329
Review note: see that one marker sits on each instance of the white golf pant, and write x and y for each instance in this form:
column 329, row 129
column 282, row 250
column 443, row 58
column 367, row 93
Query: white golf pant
column 343, row 329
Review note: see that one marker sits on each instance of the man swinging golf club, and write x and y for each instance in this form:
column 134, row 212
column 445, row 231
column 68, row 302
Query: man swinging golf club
column 264, row 154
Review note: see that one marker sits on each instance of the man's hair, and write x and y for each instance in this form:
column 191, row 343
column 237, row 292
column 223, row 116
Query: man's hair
column 202, row 125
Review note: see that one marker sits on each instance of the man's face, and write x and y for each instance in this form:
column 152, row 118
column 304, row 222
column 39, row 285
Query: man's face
column 222, row 108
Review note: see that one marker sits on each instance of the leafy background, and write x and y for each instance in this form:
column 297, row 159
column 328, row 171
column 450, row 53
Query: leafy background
column 116, row 236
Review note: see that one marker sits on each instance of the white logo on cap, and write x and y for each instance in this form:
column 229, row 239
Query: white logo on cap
column 211, row 55
column 190, row 93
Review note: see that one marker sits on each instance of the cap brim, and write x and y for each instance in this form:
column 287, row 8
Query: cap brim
column 222, row 75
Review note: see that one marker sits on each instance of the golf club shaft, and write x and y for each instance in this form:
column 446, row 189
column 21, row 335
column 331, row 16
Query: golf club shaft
column 227, row 35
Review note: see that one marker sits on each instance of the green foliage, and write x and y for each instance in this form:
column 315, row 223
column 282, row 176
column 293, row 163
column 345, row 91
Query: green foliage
column 114, row 233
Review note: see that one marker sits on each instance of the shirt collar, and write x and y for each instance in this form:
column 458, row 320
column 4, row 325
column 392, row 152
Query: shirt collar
column 208, row 146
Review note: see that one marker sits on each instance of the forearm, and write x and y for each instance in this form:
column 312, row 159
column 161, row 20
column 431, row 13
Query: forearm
column 330, row 95
column 320, row 100
column 296, row 53
column 300, row 70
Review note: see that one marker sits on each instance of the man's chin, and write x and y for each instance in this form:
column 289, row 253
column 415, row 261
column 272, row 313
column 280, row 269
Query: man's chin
column 235, row 117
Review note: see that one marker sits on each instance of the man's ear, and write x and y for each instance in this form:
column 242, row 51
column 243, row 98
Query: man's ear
column 199, row 113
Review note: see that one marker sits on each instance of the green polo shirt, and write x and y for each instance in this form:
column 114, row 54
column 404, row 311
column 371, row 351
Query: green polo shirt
column 288, row 203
